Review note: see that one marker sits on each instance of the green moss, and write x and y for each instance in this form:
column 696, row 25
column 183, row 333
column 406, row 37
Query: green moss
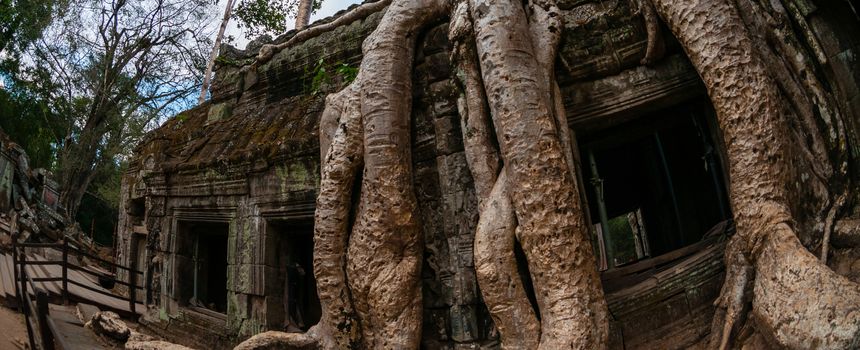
column 219, row 111
column 227, row 61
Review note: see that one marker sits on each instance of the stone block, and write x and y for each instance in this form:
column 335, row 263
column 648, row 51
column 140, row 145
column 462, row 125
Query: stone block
column 436, row 40
column 448, row 135
column 443, row 96
column 219, row 111
column 438, row 67
column 436, row 324
column 156, row 206
column 466, row 287
column 464, row 324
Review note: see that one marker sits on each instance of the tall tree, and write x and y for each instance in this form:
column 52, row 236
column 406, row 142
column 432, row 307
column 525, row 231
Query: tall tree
column 110, row 70
column 22, row 21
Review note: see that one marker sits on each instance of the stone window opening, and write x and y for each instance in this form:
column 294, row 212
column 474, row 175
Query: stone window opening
column 202, row 263
column 293, row 303
column 137, row 210
column 653, row 185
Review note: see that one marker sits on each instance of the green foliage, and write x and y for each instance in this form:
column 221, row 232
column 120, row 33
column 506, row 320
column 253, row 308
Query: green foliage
column 266, row 16
column 32, row 123
column 22, row 22
column 347, row 72
column 226, row 61
column 622, row 237
column 320, row 77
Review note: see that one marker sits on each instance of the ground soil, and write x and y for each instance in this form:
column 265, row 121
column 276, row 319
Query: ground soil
column 13, row 332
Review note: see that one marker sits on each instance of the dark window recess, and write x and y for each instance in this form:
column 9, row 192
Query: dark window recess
column 202, row 264
column 136, row 210
column 653, row 185
column 292, row 300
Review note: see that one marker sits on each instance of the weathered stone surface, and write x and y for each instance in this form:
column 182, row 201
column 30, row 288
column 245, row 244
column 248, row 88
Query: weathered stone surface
column 277, row 340
column 29, row 202
column 139, row 341
column 85, row 312
column 108, row 324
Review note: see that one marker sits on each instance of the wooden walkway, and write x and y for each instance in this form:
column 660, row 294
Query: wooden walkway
column 69, row 332
column 55, row 288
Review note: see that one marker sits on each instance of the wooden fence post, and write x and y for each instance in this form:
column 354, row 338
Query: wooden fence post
column 65, row 271
column 24, row 297
column 42, row 316
column 132, row 289
column 15, row 273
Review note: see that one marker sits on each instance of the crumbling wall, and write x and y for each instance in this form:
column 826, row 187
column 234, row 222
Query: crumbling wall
column 28, row 201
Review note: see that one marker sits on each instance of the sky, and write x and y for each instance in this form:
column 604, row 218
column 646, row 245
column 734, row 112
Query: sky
column 329, row 7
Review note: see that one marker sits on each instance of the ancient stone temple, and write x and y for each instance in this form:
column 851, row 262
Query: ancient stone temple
column 218, row 203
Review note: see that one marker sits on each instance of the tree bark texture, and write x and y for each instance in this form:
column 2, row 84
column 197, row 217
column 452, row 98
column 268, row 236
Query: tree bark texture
column 303, row 13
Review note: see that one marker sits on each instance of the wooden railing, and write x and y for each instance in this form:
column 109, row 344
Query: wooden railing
column 37, row 309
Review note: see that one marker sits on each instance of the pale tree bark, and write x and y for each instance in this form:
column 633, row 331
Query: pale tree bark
column 551, row 227
column 495, row 236
column 303, row 14
column 216, row 47
column 796, row 300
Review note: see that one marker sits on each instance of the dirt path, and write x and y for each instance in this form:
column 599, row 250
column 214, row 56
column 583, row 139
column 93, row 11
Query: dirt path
column 13, row 332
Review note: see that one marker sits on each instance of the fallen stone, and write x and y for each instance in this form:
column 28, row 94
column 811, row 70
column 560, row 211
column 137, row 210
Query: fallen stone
column 108, row 324
column 274, row 340
column 85, row 312
column 140, row 341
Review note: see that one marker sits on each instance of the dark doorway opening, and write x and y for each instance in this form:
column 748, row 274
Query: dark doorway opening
column 202, row 264
column 653, row 185
column 294, row 304
column 139, row 263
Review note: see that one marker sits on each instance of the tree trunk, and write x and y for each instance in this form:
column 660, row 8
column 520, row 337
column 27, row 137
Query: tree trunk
column 303, row 14
column 216, row 47
column 76, row 169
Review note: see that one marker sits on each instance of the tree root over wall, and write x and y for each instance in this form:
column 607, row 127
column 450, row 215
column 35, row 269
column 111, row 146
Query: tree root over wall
column 368, row 243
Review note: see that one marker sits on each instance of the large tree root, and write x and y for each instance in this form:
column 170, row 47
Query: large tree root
column 517, row 55
column 550, row 227
column 734, row 296
column 368, row 268
column 748, row 110
column 495, row 263
column 384, row 250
